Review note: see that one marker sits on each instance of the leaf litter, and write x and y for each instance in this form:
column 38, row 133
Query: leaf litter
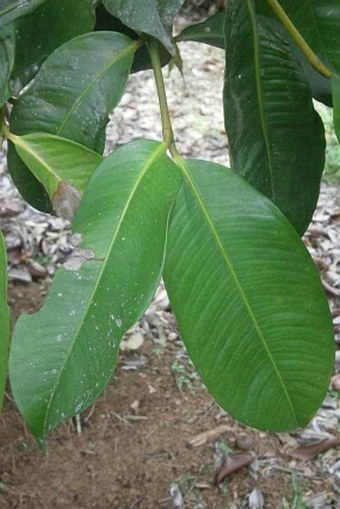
column 133, row 448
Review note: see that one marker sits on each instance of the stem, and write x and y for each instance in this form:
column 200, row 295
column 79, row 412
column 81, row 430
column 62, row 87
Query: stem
column 167, row 131
column 300, row 41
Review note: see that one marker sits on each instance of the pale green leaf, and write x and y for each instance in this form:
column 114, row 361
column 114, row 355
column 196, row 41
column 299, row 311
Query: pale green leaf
column 335, row 81
column 248, row 301
column 62, row 166
column 63, row 356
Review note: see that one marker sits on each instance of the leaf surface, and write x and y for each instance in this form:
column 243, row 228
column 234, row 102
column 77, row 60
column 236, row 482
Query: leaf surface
column 335, row 81
column 63, row 356
column 72, row 95
column 4, row 319
column 248, row 301
column 48, row 27
column 151, row 17
column 62, row 166
column 7, row 49
column 210, row 31
column 10, row 10
column 276, row 138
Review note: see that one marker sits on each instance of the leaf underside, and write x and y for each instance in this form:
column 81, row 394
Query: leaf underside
column 248, row 301
column 276, row 138
column 63, row 356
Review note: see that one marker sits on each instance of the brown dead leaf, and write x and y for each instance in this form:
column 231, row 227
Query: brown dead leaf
column 66, row 200
column 233, row 463
column 211, row 434
column 308, row 452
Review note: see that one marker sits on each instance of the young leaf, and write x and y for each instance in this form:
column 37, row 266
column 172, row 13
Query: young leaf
column 4, row 319
column 62, row 166
column 63, row 356
column 276, row 138
column 335, row 81
column 153, row 18
column 248, row 300
column 210, row 31
column 48, row 27
column 71, row 96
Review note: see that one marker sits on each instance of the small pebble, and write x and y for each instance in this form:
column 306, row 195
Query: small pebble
column 244, row 442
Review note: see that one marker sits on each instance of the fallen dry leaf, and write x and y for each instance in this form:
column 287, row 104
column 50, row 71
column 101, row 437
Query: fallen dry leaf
column 233, row 463
column 308, row 452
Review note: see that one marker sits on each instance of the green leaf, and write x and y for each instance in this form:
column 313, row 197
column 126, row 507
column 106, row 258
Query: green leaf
column 276, row 138
column 63, row 356
column 318, row 22
column 62, row 166
column 248, row 301
column 65, row 19
column 4, row 319
column 7, row 51
column 10, row 10
column 210, row 31
column 105, row 21
column 335, row 81
column 72, row 95
column 154, row 18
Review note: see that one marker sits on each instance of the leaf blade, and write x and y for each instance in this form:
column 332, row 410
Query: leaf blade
column 276, row 138
column 4, row 319
column 237, row 275
column 210, row 31
column 112, row 287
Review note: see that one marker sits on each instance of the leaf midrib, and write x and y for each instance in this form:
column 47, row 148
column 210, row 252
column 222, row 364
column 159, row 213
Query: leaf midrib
column 161, row 149
column 129, row 49
column 238, row 285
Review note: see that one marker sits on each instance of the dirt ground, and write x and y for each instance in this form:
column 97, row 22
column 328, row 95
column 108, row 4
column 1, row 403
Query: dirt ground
column 132, row 448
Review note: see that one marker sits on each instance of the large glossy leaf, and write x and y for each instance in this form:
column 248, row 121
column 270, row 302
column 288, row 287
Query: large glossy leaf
column 72, row 95
column 276, row 138
column 7, row 50
column 151, row 17
column 63, row 356
column 210, row 31
column 318, row 21
column 4, row 319
column 11, row 10
column 48, row 27
column 336, row 103
column 248, row 301
column 62, row 166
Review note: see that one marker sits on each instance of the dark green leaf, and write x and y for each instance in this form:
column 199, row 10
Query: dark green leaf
column 210, row 31
column 72, row 95
column 49, row 26
column 105, row 21
column 248, row 301
column 276, row 138
column 63, row 356
column 11, row 10
column 7, row 51
column 151, row 17
column 335, row 80
column 4, row 319
column 62, row 166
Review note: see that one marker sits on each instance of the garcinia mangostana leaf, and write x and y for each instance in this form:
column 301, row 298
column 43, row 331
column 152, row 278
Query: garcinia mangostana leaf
column 153, row 17
column 62, row 166
column 248, row 300
column 7, row 51
column 276, row 138
column 48, row 27
column 4, row 319
column 71, row 96
column 210, row 31
column 318, row 22
column 63, row 356
column 10, row 10
column 335, row 81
